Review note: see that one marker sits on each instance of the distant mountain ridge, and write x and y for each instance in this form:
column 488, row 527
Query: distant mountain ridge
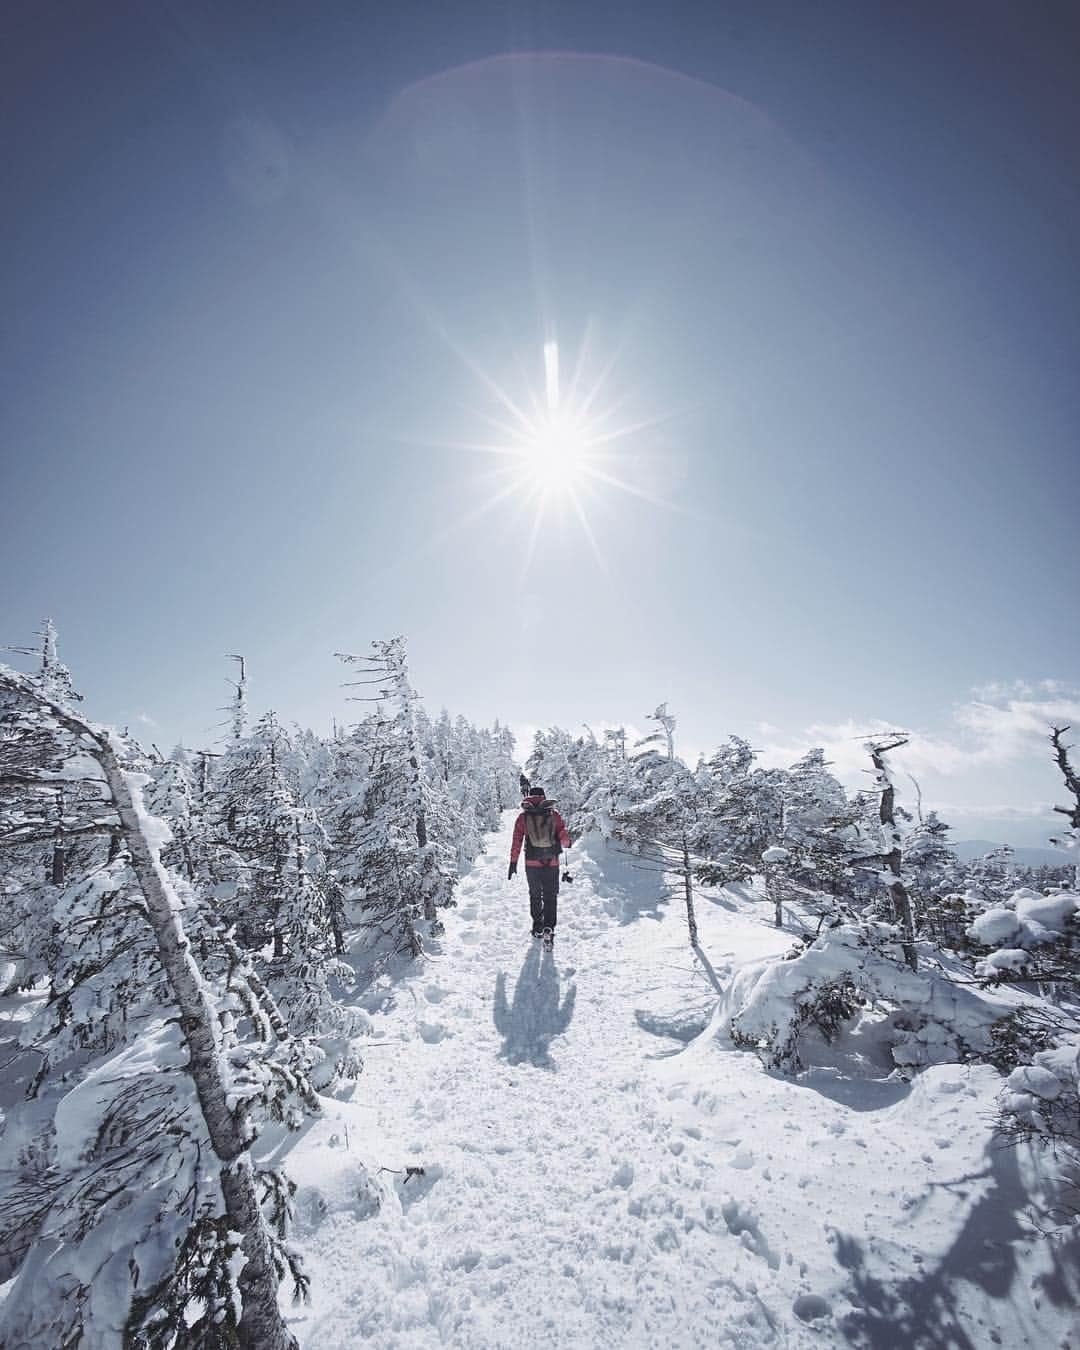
column 967, row 849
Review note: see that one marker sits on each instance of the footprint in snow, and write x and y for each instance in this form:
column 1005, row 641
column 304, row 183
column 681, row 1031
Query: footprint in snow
column 743, row 1224
column 809, row 1307
column 624, row 1175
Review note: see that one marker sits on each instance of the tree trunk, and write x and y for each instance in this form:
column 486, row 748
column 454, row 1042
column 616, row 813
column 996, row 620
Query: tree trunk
column 898, row 896
column 1072, row 782
column 688, row 886
column 772, row 891
column 59, row 860
column 56, row 875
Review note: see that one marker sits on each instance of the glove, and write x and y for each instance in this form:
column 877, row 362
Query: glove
column 513, row 869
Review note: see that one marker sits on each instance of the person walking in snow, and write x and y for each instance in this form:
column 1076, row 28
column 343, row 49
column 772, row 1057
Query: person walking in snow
column 543, row 832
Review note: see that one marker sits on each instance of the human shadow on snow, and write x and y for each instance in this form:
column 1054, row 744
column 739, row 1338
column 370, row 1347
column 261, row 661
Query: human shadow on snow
column 536, row 1016
column 923, row 1309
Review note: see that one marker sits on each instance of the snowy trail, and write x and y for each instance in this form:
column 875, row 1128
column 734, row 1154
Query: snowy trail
column 587, row 1185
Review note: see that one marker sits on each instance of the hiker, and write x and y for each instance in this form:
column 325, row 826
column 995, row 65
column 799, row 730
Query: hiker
column 544, row 834
column 523, row 784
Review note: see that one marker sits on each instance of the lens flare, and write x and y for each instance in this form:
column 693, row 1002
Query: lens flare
column 557, row 451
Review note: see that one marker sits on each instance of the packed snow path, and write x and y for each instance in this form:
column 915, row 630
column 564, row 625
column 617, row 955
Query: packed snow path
column 592, row 1179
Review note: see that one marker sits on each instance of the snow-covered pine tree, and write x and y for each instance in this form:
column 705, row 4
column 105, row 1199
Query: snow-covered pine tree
column 745, row 812
column 933, row 872
column 270, row 876
column 173, row 794
column 887, row 859
column 124, row 1215
column 555, row 762
column 605, row 776
column 504, row 771
column 238, row 709
column 661, row 822
column 53, row 677
column 667, row 729
column 810, row 854
column 254, row 808
column 406, row 873
column 51, row 822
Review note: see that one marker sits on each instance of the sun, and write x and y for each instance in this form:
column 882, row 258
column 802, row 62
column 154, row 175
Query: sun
column 556, row 437
column 558, row 454
column 557, row 449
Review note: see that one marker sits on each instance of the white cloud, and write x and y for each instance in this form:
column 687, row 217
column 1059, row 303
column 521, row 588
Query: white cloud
column 1001, row 725
column 998, row 690
column 145, row 719
column 1035, row 811
column 1004, row 730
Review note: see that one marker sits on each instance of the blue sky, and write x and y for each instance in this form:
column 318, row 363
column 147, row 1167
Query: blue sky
column 266, row 265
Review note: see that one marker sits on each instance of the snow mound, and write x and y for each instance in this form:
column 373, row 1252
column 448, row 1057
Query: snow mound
column 1044, row 1096
column 770, row 1003
column 1026, row 920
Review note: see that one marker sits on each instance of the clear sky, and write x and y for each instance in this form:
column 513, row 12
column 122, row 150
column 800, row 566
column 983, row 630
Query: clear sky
column 268, row 268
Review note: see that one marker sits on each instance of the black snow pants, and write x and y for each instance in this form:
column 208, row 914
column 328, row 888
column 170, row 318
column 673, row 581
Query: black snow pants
column 543, row 895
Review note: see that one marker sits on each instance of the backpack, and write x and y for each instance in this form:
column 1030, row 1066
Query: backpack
column 541, row 839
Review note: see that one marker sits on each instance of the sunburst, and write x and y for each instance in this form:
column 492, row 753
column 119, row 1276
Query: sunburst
column 559, row 447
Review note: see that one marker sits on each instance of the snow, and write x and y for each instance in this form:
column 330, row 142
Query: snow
column 1007, row 958
column 155, row 830
column 78, row 1113
column 1050, row 912
column 1027, row 919
column 775, row 854
column 1044, row 1094
column 1036, row 1079
column 994, row 927
column 128, row 1228
column 598, row 1175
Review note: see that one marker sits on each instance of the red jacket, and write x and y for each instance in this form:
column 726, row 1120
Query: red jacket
column 519, row 838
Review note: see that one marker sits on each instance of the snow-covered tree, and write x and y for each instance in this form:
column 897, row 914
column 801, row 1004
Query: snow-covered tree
column 407, row 872
column 818, row 825
column 933, row 872
column 51, row 821
column 271, row 877
column 556, row 763
column 1070, row 837
column 887, row 857
column 125, row 1176
column 661, row 821
column 745, row 812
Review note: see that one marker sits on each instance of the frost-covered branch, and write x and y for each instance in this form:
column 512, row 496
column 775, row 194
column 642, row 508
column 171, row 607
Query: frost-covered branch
column 229, row 1129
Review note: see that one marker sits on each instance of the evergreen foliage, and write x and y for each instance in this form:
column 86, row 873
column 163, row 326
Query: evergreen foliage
column 288, row 859
column 296, row 868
